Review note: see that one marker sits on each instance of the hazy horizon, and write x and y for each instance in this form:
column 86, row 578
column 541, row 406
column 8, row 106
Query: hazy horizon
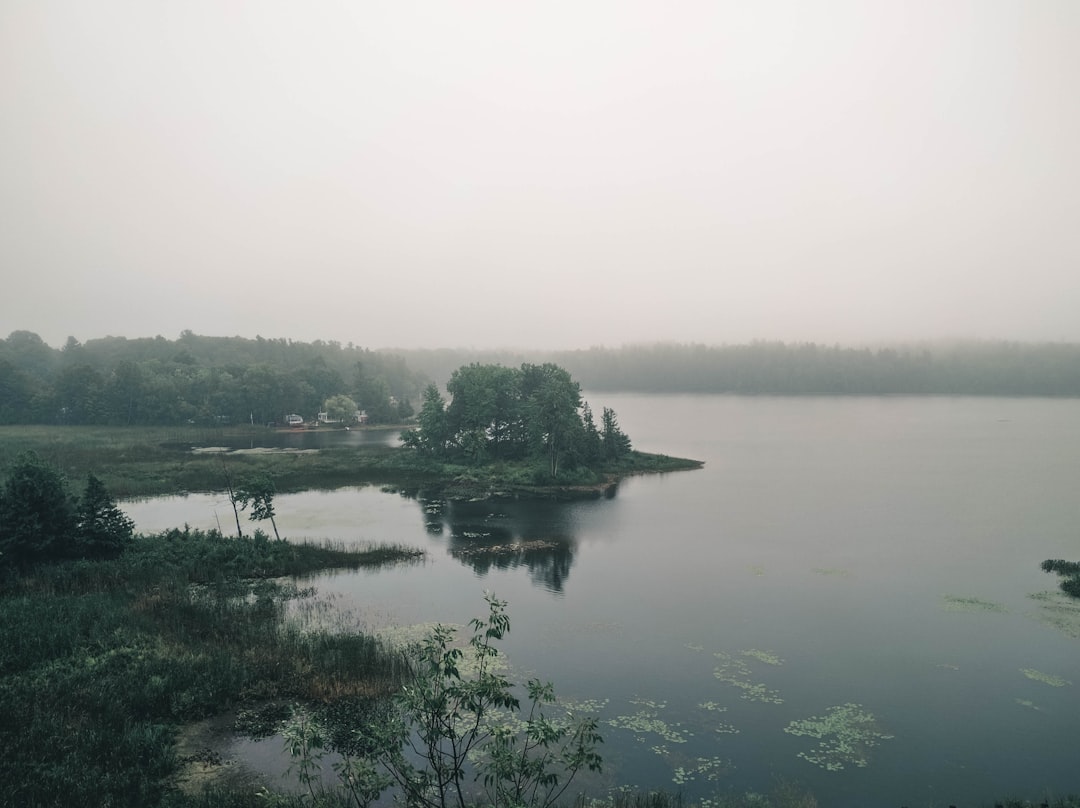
column 541, row 176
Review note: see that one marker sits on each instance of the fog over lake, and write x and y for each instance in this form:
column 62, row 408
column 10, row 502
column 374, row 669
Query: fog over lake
column 541, row 174
column 879, row 552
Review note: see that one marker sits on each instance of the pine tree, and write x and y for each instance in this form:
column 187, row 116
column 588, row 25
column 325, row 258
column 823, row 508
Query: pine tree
column 102, row 530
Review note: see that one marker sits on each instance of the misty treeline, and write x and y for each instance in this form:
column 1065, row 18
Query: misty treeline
column 210, row 380
column 195, row 379
column 777, row 368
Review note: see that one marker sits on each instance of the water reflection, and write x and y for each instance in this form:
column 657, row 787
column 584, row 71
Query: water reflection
column 490, row 536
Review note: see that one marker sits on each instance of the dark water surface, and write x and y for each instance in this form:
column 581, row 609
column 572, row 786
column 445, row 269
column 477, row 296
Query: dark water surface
column 881, row 552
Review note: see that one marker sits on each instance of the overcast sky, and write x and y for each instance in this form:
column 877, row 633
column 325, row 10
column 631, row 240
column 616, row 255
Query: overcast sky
column 541, row 174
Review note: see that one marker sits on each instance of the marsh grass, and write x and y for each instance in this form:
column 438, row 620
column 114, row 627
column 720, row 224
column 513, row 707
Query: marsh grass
column 101, row 663
column 153, row 461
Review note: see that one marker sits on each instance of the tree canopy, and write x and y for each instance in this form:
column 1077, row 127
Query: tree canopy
column 533, row 412
column 40, row 521
column 207, row 380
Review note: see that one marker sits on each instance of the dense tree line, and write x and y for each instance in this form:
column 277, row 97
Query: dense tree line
column 115, row 380
column 194, row 379
column 499, row 413
column 777, row 368
column 41, row 521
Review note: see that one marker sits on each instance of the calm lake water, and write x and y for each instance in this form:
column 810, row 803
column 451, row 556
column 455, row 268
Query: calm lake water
column 880, row 552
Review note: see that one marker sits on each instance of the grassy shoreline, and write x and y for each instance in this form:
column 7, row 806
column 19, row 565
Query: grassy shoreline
column 102, row 663
column 153, row 461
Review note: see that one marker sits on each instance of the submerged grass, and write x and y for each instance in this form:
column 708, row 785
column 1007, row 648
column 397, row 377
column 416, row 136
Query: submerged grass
column 101, row 663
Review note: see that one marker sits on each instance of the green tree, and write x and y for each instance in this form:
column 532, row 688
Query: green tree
column 486, row 399
column 615, row 442
column 258, row 493
column 372, row 392
column 37, row 515
column 457, row 721
column 124, row 390
column 552, row 400
column 78, row 391
column 17, row 389
column 261, row 387
column 340, row 408
column 1069, row 572
column 102, row 530
column 591, row 443
column 433, row 433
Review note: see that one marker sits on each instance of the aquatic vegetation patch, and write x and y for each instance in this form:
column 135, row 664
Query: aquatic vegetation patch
column 710, row 769
column 721, row 728
column 1058, row 611
column 954, row 603
column 1045, row 678
column 513, row 548
column 768, row 657
column 1029, row 704
column 757, row 570
column 584, row 706
column 735, row 672
column 647, row 721
column 846, row 733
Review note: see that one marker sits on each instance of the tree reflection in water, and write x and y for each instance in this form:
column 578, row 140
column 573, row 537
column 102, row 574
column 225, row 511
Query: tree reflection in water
column 495, row 535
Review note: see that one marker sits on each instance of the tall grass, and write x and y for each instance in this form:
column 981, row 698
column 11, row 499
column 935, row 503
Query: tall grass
column 152, row 461
column 100, row 663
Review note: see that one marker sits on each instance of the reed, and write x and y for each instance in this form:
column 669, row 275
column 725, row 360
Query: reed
column 100, row 663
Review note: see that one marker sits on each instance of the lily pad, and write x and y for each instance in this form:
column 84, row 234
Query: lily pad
column 736, row 672
column 1045, row 678
column 647, row 721
column 768, row 657
column 846, row 733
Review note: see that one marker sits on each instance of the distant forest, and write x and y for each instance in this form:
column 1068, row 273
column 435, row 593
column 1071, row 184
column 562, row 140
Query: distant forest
column 195, row 379
column 221, row 380
column 777, row 368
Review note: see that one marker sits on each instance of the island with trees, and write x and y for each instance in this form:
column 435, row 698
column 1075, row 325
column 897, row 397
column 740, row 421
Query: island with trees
column 507, row 431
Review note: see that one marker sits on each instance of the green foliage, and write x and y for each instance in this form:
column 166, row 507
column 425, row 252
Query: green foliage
column 258, row 493
column 846, row 734
column 205, row 380
column 501, row 414
column 40, row 521
column 1069, row 572
column 99, row 662
column 102, row 530
column 340, row 408
column 433, row 435
column 457, row 721
column 37, row 515
column 614, row 443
